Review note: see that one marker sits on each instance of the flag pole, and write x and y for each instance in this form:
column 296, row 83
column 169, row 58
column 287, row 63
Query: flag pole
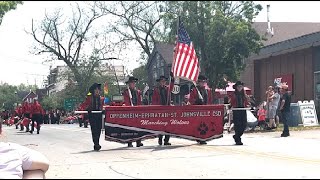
column 199, row 94
column 174, row 57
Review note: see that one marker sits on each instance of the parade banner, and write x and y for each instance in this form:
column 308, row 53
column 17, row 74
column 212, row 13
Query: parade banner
column 196, row 122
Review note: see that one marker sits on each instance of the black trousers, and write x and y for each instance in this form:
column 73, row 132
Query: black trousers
column 285, row 117
column 166, row 138
column 240, row 123
column 96, row 126
column 36, row 118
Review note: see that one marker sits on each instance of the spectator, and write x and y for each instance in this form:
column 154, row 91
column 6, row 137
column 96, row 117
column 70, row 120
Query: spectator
column 19, row 162
column 262, row 117
column 273, row 106
column 269, row 94
column 58, row 116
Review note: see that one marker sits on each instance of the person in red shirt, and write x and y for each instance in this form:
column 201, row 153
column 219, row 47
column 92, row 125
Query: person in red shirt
column 17, row 115
column 36, row 111
column 205, row 92
column 239, row 99
column 206, row 95
column 83, row 118
column 160, row 97
column 262, row 117
column 26, row 111
column 135, row 99
column 94, row 102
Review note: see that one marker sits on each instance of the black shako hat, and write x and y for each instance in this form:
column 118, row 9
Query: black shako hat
column 237, row 84
column 131, row 79
column 162, row 78
column 94, row 86
column 202, row 78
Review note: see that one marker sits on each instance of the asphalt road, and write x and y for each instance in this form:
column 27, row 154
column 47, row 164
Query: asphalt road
column 264, row 155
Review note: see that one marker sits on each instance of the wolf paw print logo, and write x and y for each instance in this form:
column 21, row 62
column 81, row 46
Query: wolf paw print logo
column 203, row 128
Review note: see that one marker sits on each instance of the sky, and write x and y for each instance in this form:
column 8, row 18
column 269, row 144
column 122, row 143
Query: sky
column 19, row 65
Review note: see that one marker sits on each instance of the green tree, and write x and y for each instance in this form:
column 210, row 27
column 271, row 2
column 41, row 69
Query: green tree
column 23, row 87
column 72, row 90
column 8, row 96
column 52, row 102
column 142, row 74
column 6, row 6
column 74, row 41
column 222, row 34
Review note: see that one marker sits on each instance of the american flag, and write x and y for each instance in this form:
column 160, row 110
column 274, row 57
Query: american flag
column 185, row 62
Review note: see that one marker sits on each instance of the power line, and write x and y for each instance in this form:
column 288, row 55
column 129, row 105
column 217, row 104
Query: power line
column 16, row 59
column 35, row 74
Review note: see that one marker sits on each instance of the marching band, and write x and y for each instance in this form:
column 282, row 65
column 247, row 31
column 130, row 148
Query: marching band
column 93, row 107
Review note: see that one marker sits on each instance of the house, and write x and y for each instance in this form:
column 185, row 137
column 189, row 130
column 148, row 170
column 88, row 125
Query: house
column 57, row 79
column 30, row 97
column 159, row 64
column 291, row 55
column 41, row 93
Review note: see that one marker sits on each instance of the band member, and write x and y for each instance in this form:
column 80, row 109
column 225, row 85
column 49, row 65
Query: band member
column 18, row 115
column 94, row 102
column 132, row 98
column 204, row 99
column 84, row 118
column 26, row 109
column 36, row 111
column 160, row 97
column 239, row 99
column 186, row 101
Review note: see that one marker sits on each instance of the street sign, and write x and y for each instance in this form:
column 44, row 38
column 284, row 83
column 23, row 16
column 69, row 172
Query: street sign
column 70, row 103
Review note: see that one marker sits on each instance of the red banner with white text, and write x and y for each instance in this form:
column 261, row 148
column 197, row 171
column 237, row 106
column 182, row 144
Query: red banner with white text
column 194, row 122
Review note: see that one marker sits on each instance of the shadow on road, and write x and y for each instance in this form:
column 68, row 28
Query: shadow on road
column 220, row 145
column 23, row 133
column 154, row 148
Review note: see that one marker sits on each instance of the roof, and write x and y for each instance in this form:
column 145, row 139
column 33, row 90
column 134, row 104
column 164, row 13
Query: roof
column 285, row 30
column 165, row 50
column 299, row 43
column 22, row 94
column 30, row 95
column 288, row 37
